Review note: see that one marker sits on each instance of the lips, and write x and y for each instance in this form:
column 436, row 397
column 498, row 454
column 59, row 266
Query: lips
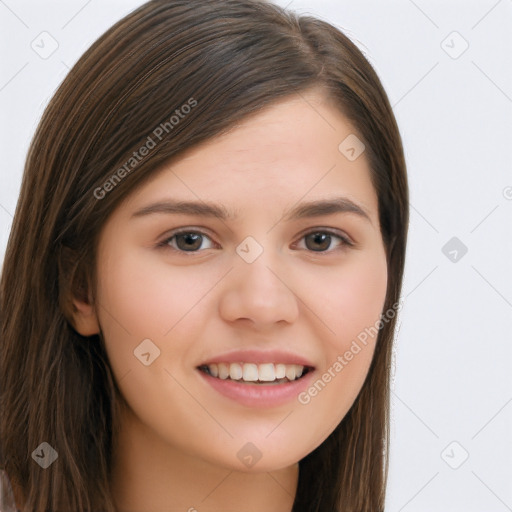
column 257, row 367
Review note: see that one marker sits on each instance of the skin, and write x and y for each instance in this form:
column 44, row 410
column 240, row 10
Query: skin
column 179, row 441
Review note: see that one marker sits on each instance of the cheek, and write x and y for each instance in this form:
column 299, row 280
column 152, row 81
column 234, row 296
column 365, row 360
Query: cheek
column 140, row 299
column 360, row 299
column 350, row 305
column 350, row 299
column 144, row 297
column 360, row 295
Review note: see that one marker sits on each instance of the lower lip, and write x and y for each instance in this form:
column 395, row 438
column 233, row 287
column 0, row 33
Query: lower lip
column 259, row 395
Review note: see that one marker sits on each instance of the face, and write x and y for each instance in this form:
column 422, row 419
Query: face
column 233, row 325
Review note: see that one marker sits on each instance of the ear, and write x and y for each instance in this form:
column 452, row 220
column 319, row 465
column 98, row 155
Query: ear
column 75, row 297
column 85, row 320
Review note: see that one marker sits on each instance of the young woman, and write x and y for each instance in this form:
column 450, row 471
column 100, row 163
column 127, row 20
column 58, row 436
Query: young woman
column 199, row 293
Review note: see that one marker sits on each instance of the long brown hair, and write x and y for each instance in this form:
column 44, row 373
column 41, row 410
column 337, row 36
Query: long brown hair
column 232, row 58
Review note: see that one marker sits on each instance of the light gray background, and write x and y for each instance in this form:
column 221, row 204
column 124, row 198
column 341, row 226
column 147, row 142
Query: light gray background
column 452, row 389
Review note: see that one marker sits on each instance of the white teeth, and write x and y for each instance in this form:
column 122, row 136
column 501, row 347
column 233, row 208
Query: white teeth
column 214, row 370
column 280, row 371
column 266, row 372
column 290, row 372
column 250, row 372
column 235, row 371
column 223, row 371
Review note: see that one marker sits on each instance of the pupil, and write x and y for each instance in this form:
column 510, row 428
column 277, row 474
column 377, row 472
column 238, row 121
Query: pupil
column 320, row 238
column 190, row 238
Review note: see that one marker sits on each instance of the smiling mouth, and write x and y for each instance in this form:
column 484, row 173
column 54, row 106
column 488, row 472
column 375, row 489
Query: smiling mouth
column 259, row 374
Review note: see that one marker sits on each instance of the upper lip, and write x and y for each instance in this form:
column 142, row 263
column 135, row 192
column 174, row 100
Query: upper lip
column 259, row 357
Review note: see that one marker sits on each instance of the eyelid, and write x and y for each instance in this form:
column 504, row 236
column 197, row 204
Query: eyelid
column 346, row 241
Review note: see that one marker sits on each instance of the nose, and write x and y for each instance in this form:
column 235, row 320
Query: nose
column 259, row 293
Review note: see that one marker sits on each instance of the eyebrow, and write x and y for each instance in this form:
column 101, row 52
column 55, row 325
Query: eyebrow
column 309, row 209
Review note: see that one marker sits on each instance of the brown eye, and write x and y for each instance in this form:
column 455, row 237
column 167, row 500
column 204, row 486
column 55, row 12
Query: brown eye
column 318, row 241
column 189, row 241
column 186, row 241
column 321, row 241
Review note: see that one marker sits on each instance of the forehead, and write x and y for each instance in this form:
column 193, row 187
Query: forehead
column 287, row 152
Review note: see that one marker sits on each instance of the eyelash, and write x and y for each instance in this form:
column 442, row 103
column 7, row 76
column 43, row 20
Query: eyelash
column 164, row 244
